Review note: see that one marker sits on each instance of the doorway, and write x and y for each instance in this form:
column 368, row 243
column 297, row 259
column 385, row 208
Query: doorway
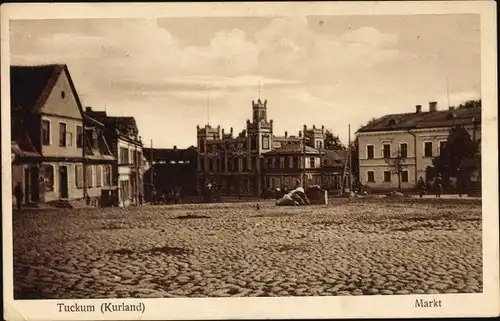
column 63, row 182
column 27, row 185
column 34, row 184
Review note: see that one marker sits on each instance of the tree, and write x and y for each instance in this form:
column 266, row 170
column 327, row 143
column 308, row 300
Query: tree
column 459, row 147
column 397, row 165
column 471, row 104
column 332, row 141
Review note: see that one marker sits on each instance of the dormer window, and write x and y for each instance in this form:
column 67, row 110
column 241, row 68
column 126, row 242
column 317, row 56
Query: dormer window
column 392, row 122
column 451, row 115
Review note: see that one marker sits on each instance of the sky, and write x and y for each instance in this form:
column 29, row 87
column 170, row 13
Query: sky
column 173, row 74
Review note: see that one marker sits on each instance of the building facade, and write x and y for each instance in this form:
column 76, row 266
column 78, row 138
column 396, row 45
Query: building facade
column 415, row 137
column 170, row 169
column 95, row 176
column 122, row 135
column 255, row 160
column 46, row 116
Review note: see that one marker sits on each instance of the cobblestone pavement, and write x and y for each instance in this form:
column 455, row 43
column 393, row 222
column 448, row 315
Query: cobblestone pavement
column 220, row 250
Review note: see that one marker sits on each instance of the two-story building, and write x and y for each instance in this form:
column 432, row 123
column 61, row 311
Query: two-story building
column 416, row 138
column 46, row 114
column 170, row 169
column 95, row 176
column 122, row 135
column 256, row 160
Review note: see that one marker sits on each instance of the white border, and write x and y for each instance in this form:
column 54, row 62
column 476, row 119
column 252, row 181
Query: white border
column 484, row 304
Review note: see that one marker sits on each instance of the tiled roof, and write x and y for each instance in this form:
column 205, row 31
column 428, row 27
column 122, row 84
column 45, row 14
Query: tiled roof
column 294, row 149
column 31, row 85
column 334, row 157
column 19, row 152
column 443, row 118
column 123, row 124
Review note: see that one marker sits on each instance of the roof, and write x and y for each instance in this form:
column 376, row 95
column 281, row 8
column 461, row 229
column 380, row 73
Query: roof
column 169, row 153
column 121, row 123
column 20, row 152
column 294, row 149
column 442, row 118
column 334, row 157
column 30, row 86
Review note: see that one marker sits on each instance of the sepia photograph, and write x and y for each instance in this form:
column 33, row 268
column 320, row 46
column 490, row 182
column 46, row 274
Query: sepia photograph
column 248, row 155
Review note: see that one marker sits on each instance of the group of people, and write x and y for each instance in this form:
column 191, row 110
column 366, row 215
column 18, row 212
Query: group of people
column 167, row 196
column 437, row 186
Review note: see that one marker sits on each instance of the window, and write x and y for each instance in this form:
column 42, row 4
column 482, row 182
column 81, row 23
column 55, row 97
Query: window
column 292, row 162
column 63, row 94
column 269, row 162
column 253, row 142
column 139, row 158
column 211, row 165
column 370, row 176
column 48, row 175
column 202, row 146
column 98, row 176
column 79, row 176
column 387, row 150
column 45, row 132
column 427, row 149
column 245, row 164
column 403, row 149
column 107, row 175
column 312, row 162
column 387, row 176
column 79, row 136
column 90, row 176
column 62, row 134
column 442, row 146
column 254, row 163
column 404, row 176
column 236, row 161
column 287, row 162
column 124, row 155
column 265, row 142
column 296, row 162
column 282, row 162
column 369, row 152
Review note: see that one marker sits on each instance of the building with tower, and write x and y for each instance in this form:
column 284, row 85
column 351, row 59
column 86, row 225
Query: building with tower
column 249, row 163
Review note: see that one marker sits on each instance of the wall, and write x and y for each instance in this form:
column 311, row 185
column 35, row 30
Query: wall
column 378, row 164
column 66, row 110
column 416, row 162
column 73, row 191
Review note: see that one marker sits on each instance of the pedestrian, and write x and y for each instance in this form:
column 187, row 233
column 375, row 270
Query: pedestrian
column 421, row 186
column 18, row 194
column 438, row 185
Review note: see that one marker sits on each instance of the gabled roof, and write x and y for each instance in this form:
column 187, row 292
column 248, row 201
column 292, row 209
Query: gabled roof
column 443, row 118
column 30, row 86
column 293, row 149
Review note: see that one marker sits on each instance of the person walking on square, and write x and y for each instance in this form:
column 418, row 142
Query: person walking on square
column 421, row 187
column 438, row 185
column 18, row 194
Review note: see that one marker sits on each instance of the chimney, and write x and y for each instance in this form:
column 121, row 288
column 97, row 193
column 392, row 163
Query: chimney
column 88, row 109
column 286, row 134
column 175, row 147
column 451, row 108
column 432, row 106
column 418, row 109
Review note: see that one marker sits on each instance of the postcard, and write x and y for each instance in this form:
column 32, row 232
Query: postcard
column 252, row 160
